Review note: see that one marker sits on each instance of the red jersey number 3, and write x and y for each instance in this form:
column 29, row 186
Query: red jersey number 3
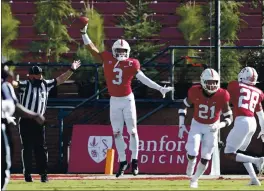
column 118, row 76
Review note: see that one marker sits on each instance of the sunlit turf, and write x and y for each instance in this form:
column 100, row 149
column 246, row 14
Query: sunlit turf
column 131, row 185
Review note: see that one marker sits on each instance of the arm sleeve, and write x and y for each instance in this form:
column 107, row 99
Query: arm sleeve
column 51, row 83
column 136, row 65
column 105, row 55
column 148, row 82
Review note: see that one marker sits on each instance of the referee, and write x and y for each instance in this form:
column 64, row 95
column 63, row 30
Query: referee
column 34, row 96
column 9, row 106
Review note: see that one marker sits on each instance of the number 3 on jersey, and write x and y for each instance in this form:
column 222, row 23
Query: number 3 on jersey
column 118, row 77
column 251, row 97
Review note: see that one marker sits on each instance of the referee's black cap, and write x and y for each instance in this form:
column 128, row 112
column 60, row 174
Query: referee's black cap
column 35, row 70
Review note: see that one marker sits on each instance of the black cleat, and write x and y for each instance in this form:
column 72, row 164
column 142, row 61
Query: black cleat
column 44, row 178
column 28, row 178
column 122, row 168
column 135, row 167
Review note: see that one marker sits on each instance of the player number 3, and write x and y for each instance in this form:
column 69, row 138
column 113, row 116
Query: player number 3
column 251, row 97
column 118, row 77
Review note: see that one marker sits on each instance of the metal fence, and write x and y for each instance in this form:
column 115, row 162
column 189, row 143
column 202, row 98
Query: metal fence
column 178, row 66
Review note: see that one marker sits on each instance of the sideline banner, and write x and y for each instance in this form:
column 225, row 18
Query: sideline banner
column 160, row 149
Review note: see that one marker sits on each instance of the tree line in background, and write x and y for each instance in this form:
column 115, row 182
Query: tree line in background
column 140, row 29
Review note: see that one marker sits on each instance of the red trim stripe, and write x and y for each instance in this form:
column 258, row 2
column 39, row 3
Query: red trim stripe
column 121, row 42
column 253, row 77
column 212, row 72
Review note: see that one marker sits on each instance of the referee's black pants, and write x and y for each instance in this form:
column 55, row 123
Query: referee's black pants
column 32, row 137
column 5, row 157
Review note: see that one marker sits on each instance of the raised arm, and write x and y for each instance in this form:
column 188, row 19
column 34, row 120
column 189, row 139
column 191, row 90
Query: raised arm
column 65, row 76
column 148, row 82
column 90, row 45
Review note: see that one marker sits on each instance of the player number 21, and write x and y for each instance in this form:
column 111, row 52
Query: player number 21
column 118, row 77
column 203, row 111
column 250, row 96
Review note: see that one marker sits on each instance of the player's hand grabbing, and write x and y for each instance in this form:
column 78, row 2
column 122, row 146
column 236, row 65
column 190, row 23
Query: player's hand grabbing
column 261, row 135
column 164, row 90
column 84, row 22
column 182, row 129
column 75, row 65
column 217, row 126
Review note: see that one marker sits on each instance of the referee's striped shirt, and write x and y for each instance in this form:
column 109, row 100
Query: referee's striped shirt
column 35, row 98
column 8, row 92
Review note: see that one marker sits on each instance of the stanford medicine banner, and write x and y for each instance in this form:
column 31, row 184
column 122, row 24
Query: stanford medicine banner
column 160, row 149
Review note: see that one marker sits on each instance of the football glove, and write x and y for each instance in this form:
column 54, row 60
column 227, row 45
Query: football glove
column 217, row 126
column 164, row 90
column 182, row 129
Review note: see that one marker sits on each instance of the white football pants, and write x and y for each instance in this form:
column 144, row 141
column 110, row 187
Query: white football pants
column 123, row 109
column 241, row 134
column 201, row 133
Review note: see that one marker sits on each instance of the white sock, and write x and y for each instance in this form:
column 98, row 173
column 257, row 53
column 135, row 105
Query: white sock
column 190, row 166
column 120, row 147
column 133, row 146
column 246, row 159
column 250, row 170
column 199, row 171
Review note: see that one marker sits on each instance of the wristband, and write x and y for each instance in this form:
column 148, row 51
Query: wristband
column 72, row 70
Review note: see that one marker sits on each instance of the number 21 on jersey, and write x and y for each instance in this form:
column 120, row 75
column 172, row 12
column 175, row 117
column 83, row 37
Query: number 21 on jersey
column 249, row 100
column 205, row 112
column 118, row 76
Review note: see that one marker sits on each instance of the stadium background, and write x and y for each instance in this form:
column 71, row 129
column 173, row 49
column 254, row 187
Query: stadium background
column 72, row 94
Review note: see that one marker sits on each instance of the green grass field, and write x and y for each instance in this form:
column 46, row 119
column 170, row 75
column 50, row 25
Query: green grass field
column 131, row 185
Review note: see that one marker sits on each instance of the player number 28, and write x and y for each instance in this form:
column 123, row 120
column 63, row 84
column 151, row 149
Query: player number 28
column 203, row 111
column 118, row 77
column 250, row 97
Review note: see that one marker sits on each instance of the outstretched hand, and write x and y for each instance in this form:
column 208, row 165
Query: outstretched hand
column 76, row 64
column 165, row 90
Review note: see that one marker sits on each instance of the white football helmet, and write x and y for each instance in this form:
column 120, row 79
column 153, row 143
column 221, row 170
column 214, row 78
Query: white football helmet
column 248, row 75
column 212, row 75
column 121, row 44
